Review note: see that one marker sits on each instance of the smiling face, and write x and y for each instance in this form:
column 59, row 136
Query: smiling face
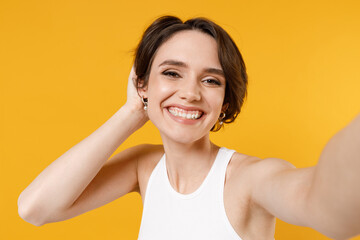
column 186, row 87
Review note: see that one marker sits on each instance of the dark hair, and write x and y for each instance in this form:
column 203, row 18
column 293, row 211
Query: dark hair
column 229, row 56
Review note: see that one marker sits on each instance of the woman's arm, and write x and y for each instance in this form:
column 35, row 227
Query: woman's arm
column 335, row 189
column 57, row 187
column 325, row 197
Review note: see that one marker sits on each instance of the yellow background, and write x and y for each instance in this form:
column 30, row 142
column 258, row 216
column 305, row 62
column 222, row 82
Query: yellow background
column 64, row 68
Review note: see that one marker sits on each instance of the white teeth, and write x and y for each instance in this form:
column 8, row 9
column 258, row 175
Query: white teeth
column 184, row 114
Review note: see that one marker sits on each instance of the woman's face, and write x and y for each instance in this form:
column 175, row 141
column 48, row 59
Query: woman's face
column 186, row 87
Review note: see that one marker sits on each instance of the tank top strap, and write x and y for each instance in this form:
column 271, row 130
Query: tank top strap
column 218, row 176
column 226, row 155
column 222, row 162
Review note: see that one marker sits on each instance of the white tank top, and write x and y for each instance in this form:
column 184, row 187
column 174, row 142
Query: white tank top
column 170, row 215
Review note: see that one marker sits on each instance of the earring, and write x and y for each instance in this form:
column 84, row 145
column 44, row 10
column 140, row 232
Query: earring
column 145, row 102
column 221, row 117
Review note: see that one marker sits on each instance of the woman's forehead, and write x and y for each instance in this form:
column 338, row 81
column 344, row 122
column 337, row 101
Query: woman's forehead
column 191, row 47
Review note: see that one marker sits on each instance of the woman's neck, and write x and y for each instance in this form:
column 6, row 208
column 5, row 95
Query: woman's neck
column 188, row 164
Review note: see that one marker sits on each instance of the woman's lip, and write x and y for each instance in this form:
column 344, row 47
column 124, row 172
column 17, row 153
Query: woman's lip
column 186, row 108
column 183, row 120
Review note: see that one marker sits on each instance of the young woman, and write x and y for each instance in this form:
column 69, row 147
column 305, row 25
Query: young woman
column 189, row 79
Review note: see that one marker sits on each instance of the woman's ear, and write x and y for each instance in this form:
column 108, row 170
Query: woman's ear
column 225, row 107
column 141, row 89
column 142, row 93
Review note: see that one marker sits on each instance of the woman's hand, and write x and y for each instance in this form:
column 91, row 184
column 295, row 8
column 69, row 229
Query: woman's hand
column 133, row 102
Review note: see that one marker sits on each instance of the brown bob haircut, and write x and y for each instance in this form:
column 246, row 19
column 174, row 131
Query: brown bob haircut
column 229, row 56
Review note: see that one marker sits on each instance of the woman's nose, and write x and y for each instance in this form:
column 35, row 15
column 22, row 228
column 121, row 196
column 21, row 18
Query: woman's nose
column 190, row 91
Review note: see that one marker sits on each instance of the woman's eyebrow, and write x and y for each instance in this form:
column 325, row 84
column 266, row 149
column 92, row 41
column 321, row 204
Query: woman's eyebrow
column 182, row 64
column 173, row 62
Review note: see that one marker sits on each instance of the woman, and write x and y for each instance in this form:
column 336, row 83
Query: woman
column 189, row 78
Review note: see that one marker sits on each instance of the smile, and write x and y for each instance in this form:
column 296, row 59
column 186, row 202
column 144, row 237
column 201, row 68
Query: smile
column 178, row 112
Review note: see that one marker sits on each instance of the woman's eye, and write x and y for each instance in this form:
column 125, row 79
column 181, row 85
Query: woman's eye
column 212, row 82
column 171, row 74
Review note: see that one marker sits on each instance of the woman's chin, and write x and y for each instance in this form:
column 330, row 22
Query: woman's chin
column 180, row 136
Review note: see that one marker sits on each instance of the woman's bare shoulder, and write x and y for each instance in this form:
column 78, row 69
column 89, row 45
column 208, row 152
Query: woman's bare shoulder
column 250, row 170
column 256, row 165
column 241, row 161
column 242, row 169
column 148, row 155
column 148, row 152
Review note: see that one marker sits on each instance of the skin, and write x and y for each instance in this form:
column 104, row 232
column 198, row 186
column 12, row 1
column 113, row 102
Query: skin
column 256, row 190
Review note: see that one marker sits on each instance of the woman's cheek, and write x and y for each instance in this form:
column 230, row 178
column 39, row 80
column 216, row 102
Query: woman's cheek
column 166, row 88
column 161, row 85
